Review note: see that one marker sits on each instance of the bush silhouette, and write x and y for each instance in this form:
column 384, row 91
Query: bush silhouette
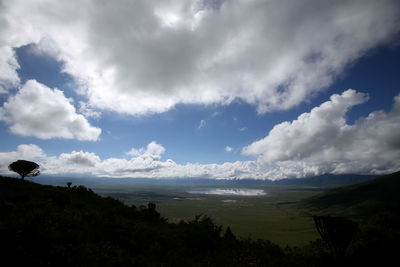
column 25, row 168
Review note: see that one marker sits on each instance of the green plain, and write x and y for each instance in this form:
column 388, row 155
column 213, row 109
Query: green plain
column 275, row 216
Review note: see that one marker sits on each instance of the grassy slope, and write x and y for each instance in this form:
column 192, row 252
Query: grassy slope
column 375, row 207
column 358, row 201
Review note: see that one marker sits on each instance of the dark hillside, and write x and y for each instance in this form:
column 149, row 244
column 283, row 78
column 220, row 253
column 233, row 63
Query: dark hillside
column 365, row 199
column 42, row 225
column 60, row 226
column 45, row 225
column 375, row 207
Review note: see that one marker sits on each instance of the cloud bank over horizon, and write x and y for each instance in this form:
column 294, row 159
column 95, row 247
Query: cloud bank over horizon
column 317, row 142
column 271, row 54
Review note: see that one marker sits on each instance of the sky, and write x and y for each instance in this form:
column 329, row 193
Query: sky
column 219, row 89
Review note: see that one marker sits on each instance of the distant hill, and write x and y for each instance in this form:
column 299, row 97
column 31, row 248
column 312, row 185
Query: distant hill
column 380, row 195
column 321, row 181
column 327, row 180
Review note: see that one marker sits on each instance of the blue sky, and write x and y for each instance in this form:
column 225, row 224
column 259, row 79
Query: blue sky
column 184, row 95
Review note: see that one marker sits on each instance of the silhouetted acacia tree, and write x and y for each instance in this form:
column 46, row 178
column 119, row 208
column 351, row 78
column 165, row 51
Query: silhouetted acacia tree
column 24, row 168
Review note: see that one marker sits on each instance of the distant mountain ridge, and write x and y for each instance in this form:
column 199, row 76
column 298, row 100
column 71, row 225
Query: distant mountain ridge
column 328, row 180
column 324, row 181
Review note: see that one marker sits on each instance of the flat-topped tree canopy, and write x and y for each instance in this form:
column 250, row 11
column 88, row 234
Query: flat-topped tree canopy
column 25, row 168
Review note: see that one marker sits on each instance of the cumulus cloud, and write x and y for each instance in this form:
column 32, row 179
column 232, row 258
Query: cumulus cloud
column 227, row 170
column 8, row 69
column 310, row 132
column 153, row 149
column 202, row 124
column 147, row 164
column 45, row 113
column 80, row 158
column 72, row 163
column 141, row 166
column 369, row 146
column 144, row 165
column 88, row 111
column 144, row 162
column 157, row 54
column 228, row 149
column 322, row 141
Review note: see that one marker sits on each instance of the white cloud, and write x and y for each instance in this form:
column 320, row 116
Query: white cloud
column 142, row 166
column 228, row 149
column 317, row 142
column 153, row 149
column 135, row 152
column 323, row 142
column 146, row 165
column 74, row 162
column 215, row 114
column 157, row 54
column 80, row 158
column 227, row 170
column 202, row 124
column 88, row 111
column 309, row 133
column 8, row 69
column 45, row 113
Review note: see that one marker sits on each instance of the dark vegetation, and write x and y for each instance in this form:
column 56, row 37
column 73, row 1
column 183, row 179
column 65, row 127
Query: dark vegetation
column 43, row 225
